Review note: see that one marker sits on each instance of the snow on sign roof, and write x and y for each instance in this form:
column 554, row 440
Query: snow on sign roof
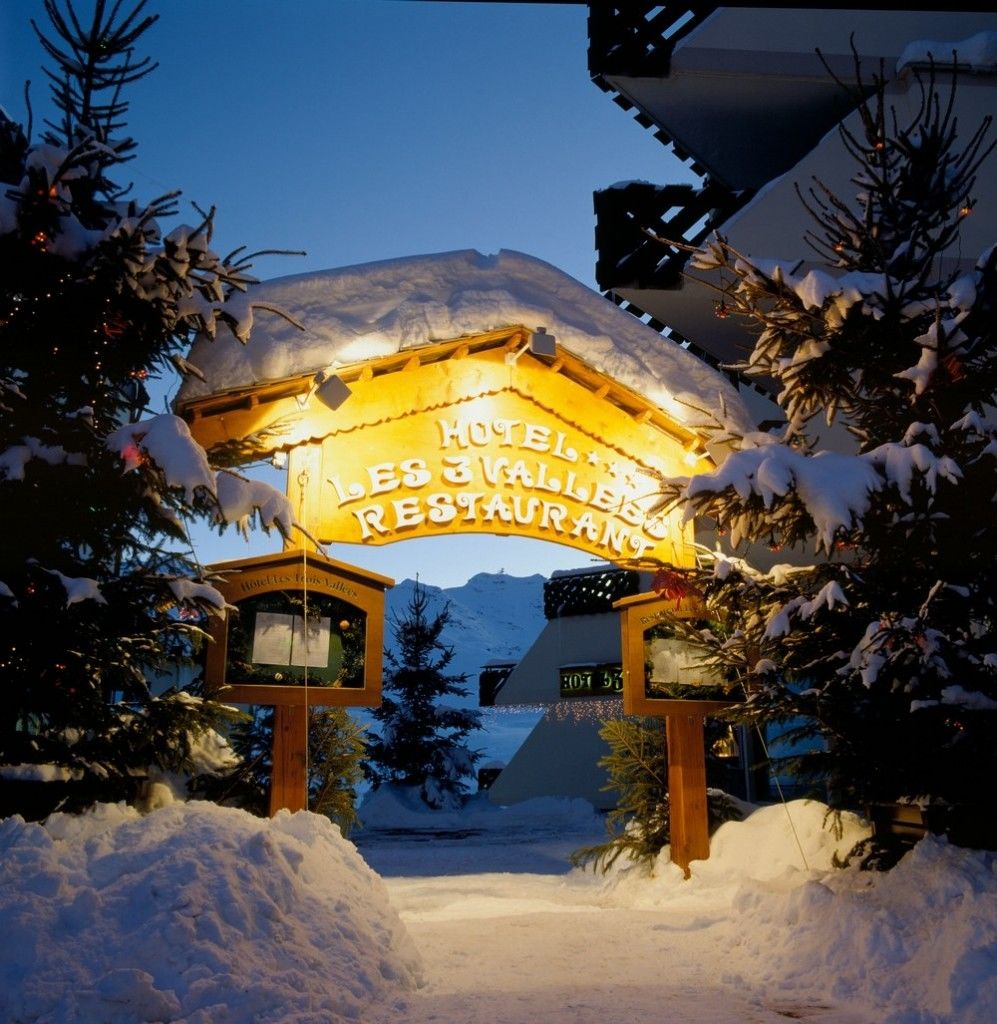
column 375, row 310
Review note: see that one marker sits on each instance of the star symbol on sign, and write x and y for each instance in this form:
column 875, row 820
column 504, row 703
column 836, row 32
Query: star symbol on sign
column 616, row 470
column 593, row 458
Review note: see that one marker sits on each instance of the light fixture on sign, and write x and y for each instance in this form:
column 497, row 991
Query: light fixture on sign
column 726, row 747
column 694, row 452
column 543, row 344
column 330, row 389
column 539, row 344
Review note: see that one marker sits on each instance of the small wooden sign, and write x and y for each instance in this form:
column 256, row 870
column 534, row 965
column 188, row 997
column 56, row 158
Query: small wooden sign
column 661, row 678
column 302, row 629
column 662, row 674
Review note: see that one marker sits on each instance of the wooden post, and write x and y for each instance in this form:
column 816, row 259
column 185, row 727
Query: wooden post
column 288, row 784
column 690, row 836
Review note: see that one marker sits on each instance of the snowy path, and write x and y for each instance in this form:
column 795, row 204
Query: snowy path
column 530, row 948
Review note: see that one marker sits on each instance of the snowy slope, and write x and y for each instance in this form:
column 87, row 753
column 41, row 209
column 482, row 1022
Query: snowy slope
column 493, row 617
column 377, row 309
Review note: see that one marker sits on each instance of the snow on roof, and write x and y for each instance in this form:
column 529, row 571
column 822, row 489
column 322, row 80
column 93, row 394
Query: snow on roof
column 978, row 52
column 374, row 310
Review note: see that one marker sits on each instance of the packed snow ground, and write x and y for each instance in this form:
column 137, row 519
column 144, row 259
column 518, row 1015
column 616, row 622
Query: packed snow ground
column 198, row 914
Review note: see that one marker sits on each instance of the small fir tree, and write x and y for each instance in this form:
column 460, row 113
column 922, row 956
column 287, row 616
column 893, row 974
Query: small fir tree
column 336, row 754
column 639, row 826
column 337, row 751
column 93, row 301
column 421, row 741
column 884, row 649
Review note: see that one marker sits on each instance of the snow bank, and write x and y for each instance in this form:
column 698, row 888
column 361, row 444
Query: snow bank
column 377, row 309
column 194, row 913
column 918, row 942
column 921, row 939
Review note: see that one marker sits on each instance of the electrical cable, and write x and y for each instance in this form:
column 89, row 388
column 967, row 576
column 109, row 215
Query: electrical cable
column 302, row 485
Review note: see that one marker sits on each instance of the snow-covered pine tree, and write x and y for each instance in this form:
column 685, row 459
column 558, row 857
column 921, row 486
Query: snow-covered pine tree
column 421, row 741
column 884, row 649
column 639, row 826
column 93, row 594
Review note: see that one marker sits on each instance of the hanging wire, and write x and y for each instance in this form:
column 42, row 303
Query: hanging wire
column 190, row 541
column 782, row 796
column 302, row 485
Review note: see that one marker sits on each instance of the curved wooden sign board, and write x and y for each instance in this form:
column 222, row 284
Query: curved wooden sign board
column 473, row 435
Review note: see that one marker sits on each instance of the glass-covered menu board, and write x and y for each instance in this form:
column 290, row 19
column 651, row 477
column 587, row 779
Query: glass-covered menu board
column 674, row 669
column 282, row 639
column 299, row 628
column 662, row 673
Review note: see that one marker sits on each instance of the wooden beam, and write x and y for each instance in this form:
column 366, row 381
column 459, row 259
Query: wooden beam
column 288, row 782
column 690, row 836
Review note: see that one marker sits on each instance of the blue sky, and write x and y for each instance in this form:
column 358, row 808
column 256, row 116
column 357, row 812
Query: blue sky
column 360, row 130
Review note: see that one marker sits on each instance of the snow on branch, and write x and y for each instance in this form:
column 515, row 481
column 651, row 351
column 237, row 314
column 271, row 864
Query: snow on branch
column 14, row 459
column 188, row 592
column 239, row 498
column 835, row 489
column 77, row 588
column 167, row 442
column 897, row 463
column 957, row 696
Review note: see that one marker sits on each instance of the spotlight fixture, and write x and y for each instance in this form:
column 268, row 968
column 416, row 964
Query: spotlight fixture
column 330, row 389
column 694, row 452
column 539, row 344
column 543, row 344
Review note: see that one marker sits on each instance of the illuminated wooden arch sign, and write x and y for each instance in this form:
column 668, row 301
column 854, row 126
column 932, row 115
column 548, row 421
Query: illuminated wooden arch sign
column 474, row 435
column 301, row 630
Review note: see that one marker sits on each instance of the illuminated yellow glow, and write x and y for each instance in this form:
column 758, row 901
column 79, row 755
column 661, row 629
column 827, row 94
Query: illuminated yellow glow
column 456, row 439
